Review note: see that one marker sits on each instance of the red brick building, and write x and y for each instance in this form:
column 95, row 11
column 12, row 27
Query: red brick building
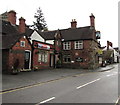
column 16, row 53
column 16, row 47
column 76, row 47
column 42, row 55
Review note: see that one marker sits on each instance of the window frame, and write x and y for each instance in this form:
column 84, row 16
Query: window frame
column 66, row 45
column 68, row 58
column 78, row 44
column 43, row 57
column 22, row 43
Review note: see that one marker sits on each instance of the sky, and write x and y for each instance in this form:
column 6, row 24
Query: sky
column 59, row 13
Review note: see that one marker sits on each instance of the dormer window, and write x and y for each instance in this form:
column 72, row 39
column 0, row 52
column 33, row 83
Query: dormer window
column 22, row 43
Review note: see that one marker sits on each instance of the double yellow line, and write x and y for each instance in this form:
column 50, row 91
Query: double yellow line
column 36, row 84
column 40, row 83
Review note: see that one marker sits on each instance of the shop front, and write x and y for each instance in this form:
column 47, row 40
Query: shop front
column 42, row 55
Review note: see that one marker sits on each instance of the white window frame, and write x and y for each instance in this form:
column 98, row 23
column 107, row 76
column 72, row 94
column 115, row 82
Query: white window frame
column 78, row 44
column 43, row 57
column 22, row 43
column 66, row 45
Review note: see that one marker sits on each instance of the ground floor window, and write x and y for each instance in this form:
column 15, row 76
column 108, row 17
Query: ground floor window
column 43, row 57
column 67, row 58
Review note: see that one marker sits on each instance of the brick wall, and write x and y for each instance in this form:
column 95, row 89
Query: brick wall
column 39, row 64
column 88, row 53
column 16, row 54
column 17, row 45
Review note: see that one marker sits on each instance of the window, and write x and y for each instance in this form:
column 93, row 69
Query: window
column 78, row 44
column 22, row 43
column 67, row 58
column 66, row 45
column 43, row 57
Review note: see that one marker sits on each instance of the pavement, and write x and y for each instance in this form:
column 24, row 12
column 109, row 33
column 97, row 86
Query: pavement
column 102, row 69
column 33, row 77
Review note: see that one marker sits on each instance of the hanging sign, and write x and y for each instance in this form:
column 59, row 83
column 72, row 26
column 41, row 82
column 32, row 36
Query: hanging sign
column 43, row 46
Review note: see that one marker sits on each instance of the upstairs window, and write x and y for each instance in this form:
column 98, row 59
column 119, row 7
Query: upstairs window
column 22, row 43
column 78, row 44
column 66, row 45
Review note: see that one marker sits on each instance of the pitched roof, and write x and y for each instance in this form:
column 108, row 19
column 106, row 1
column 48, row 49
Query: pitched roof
column 81, row 33
column 28, row 32
column 47, row 35
column 9, row 40
column 10, row 34
column 7, row 28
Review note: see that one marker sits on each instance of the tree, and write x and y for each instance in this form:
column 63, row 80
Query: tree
column 40, row 23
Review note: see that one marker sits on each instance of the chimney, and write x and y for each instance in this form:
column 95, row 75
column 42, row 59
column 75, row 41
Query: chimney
column 12, row 17
column 22, row 25
column 92, row 20
column 73, row 23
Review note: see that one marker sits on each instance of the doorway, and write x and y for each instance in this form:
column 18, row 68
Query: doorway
column 51, row 60
column 27, row 60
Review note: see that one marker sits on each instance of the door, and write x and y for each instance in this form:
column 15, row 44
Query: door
column 27, row 60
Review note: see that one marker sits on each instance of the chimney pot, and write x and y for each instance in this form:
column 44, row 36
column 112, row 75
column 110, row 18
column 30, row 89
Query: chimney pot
column 73, row 23
column 22, row 25
column 92, row 20
column 12, row 17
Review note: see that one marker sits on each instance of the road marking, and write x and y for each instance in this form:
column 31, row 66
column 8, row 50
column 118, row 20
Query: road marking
column 116, row 103
column 88, row 83
column 45, row 101
column 40, row 83
column 32, row 85
column 36, row 84
column 111, row 74
column 108, row 71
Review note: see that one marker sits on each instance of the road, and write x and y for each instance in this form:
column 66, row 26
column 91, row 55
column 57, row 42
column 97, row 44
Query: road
column 91, row 87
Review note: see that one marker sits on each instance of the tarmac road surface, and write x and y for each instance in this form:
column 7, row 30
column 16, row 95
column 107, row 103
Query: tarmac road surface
column 89, row 87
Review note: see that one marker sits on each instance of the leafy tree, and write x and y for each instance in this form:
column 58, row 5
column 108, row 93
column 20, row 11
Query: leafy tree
column 40, row 23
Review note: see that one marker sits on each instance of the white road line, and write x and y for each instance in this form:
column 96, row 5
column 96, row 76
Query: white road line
column 46, row 101
column 116, row 103
column 108, row 71
column 111, row 74
column 88, row 83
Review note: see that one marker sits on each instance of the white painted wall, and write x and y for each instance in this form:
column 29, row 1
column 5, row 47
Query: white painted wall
column 116, row 54
column 36, row 36
column 50, row 41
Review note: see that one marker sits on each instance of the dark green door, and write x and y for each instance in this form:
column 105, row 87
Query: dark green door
column 27, row 60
